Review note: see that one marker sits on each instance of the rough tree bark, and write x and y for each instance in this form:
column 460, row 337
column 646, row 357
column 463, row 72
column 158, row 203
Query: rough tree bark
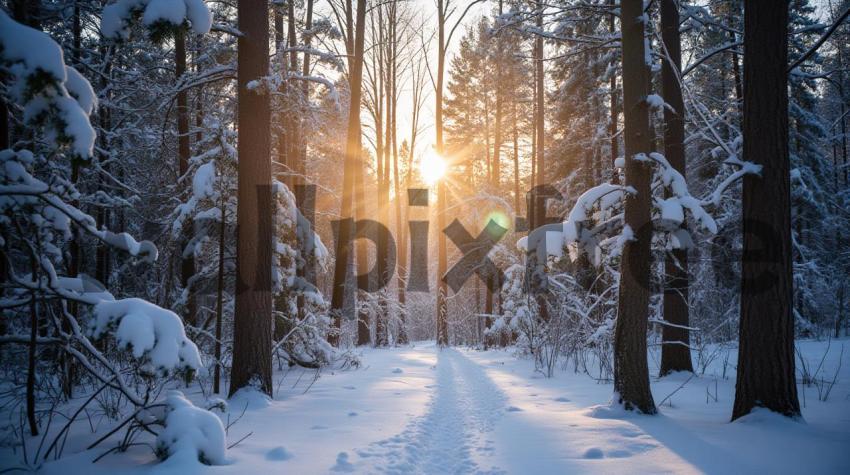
column 631, row 374
column 766, row 333
column 675, row 348
column 252, row 326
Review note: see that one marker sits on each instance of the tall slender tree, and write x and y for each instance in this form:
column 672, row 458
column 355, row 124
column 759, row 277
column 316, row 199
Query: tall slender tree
column 631, row 373
column 675, row 349
column 445, row 32
column 355, row 34
column 252, row 325
column 187, row 262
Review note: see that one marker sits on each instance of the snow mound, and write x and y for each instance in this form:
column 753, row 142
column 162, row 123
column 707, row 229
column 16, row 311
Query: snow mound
column 279, row 454
column 594, row 453
column 608, row 411
column 249, row 398
column 342, row 463
column 154, row 335
column 191, row 433
column 766, row 417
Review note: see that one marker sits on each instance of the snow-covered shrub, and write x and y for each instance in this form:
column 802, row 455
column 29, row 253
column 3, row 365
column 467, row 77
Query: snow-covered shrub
column 301, row 322
column 518, row 312
column 154, row 335
column 190, row 433
column 40, row 219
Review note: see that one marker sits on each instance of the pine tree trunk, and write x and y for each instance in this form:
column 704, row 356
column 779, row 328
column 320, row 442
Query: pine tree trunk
column 364, row 330
column 442, row 261
column 252, row 328
column 382, row 156
column 631, row 373
column 497, row 126
column 615, row 111
column 517, row 196
column 306, row 271
column 74, row 248
column 187, row 263
column 31, row 363
column 352, row 166
column 399, row 193
column 219, row 308
column 766, row 347
column 675, row 349
column 539, row 212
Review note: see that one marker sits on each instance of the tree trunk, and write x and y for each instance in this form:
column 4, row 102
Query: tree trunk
column 219, row 308
column 442, row 261
column 74, row 248
column 252, row 328
column 497, row 126
column 187, row 263
column 307, row 270
column 381, row 80
column 31, row 363
column 538, row 215
column 675, row 348
column 766, row 335
column 615, row 111
column 402, row 248
column 293, row 152
column 517, row 195
column 351, row 167
column 631, row 374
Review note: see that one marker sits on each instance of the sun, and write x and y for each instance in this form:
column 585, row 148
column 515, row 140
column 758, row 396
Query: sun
column 432, row 167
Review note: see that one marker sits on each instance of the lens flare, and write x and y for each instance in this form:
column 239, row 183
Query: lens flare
column 432, row 167
column 500, row 218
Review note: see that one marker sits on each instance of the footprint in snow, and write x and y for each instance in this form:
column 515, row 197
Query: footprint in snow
column 514, row 409
column 594, row 453
column 352, row 414
column 562, row 399
column 349, row 387
column 342, row 463
column 279, row 454
column 318, row 427
column 398, row 371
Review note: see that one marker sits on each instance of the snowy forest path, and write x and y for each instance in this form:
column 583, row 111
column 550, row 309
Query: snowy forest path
column 452, row 436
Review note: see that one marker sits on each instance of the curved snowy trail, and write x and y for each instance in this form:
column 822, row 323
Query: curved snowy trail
column 452, row 436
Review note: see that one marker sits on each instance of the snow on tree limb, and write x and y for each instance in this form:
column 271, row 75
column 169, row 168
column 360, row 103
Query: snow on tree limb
column 154, row 335
column 52, row 94
column 115, row 23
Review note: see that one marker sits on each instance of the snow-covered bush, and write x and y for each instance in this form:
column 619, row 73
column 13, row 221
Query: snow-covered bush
column 40, row 215
column 190, row 433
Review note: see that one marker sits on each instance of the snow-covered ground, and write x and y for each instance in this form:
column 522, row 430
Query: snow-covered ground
column 421, row 410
